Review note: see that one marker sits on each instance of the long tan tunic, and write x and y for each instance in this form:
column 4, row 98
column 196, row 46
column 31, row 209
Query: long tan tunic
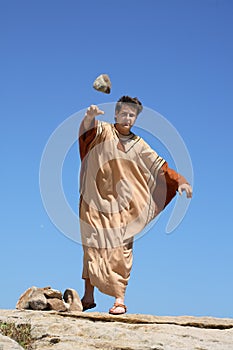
column 124, row 184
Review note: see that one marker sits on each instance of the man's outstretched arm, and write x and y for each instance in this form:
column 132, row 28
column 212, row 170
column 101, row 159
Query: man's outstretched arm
column 87, row 130
column 90, row 115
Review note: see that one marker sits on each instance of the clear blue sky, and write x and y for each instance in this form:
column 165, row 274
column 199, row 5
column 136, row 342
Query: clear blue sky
column 176, row 56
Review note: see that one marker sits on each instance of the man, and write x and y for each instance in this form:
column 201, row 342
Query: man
column 124, row 184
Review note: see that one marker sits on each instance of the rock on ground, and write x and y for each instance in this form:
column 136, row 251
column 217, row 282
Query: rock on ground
column 52, row 330
column 47, row 298
column 71, row 298
column 8, row 344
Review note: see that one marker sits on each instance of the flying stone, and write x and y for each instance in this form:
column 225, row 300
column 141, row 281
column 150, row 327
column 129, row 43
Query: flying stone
column 102, row 83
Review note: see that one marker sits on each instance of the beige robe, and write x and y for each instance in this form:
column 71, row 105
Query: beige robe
column 123, row 186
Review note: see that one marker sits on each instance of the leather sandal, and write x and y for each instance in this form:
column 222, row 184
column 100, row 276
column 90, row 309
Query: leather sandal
column 118, row 305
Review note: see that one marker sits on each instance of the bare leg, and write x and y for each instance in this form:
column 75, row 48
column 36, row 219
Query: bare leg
column 88, row 297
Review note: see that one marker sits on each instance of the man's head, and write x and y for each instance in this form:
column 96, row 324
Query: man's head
column 126, row 112
column 132, row 101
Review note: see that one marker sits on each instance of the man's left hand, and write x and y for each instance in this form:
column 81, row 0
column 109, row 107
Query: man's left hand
column 187, row 188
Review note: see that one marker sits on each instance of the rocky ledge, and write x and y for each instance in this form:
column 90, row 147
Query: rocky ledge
column 77, row 330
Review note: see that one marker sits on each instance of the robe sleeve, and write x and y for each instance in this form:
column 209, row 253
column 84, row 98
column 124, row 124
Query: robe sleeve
column 168, row 181
column 86, row 137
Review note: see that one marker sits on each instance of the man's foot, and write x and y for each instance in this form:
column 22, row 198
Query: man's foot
column 88, row 304
column 118, row 309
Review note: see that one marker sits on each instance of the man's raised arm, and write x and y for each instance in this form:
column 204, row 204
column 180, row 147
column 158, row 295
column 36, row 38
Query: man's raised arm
column 87, row 130
column 90, row 115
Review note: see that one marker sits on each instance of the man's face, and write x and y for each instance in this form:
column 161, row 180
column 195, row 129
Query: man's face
column 126, row 118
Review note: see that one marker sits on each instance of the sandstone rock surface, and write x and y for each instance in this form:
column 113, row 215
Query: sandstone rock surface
column 92, row 330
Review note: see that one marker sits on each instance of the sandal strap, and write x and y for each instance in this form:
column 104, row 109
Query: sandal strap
column 119, row 305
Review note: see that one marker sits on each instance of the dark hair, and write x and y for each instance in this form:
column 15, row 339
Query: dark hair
column 132, row 101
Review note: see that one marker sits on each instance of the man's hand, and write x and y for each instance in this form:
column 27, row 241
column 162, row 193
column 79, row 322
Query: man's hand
column 187, row 188
column 90, row 114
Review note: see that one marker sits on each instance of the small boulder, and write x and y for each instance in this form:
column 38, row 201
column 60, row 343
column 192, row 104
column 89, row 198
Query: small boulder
column 56, row 304
column 72, row 300
column 53, row 293
column 33, row 298
column 24, row 299
column 38, row 301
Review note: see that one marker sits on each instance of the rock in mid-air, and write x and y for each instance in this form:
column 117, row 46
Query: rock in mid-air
column 103, row 84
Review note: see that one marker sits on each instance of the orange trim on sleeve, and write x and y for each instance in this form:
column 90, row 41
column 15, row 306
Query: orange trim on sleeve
column 172, row 177
column 168, row 181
